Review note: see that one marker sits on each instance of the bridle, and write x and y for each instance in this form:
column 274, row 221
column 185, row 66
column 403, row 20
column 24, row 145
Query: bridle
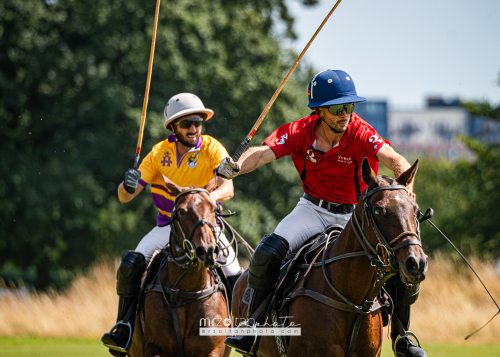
column 183, row 244
column 387, row 250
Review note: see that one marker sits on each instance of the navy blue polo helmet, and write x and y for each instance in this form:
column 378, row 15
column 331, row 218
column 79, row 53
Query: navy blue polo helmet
column 332, row 87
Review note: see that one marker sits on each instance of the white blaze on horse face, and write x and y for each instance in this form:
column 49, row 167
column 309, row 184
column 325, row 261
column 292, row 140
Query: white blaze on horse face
column 198, row 202
column 398, row 198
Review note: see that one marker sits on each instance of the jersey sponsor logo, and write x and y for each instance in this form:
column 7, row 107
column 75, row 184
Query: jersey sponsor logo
column 344, row 160
column 282, row 140
column 375, row 139
column 310, row 156
column 167, row 159
column 193, row 160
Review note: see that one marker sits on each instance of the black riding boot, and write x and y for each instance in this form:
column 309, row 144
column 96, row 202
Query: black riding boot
column 128, row 287
column 403, row 297
column 262, row 278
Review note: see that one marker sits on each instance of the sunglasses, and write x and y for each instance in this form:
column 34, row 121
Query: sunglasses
column 186, row 124
column 337, row 109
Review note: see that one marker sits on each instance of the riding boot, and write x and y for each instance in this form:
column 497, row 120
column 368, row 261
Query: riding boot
column 262, row 277
column 128, row 287
column 402, row 345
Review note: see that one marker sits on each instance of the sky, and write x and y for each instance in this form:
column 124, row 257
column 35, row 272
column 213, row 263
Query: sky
column 406, row 50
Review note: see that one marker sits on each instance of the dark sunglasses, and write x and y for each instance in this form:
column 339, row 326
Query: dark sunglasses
column 186, row 124
column 337, row 109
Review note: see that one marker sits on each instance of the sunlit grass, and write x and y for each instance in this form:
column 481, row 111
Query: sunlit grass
column 67, row 347
column 452, row 304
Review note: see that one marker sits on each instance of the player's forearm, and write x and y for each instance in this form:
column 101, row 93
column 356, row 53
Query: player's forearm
column 398, row 164
column 124, row 196
column 224, row 192
column 255, row 157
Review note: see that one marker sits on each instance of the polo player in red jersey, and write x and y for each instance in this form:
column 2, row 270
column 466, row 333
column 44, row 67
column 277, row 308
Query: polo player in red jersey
column 327, row 148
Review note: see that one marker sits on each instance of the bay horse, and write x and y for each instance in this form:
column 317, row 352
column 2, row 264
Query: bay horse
column 334, row 306
column 187, row 287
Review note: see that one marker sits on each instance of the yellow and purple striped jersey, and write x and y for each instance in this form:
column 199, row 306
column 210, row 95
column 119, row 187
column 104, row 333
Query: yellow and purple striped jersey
column 195, row 168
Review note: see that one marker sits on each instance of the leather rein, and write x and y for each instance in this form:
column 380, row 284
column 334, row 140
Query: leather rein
column 380, row 256
column 170, row 294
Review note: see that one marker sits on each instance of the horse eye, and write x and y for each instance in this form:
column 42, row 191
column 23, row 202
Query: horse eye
column 182, row 212
column 377, row 211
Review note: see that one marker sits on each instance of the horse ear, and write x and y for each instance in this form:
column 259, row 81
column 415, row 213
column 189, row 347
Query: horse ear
column 172, row 186
column 367, row 173
column 407, row 177
column 211, row 185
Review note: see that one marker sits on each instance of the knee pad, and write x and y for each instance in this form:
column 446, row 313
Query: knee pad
column 408, row 295
column 129, row 273
column 266, row 262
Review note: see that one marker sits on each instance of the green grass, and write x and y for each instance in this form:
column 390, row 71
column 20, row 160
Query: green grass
column 59, row 347
column 51, row 347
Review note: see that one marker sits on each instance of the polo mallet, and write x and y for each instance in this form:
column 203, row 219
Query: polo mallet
column 146, row 96
column 243, row 146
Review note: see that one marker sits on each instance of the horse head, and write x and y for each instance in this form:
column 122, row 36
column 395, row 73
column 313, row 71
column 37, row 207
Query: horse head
column 393, row 224
column 193, row 222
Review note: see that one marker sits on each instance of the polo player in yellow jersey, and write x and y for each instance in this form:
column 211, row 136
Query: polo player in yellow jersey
column 188, row 159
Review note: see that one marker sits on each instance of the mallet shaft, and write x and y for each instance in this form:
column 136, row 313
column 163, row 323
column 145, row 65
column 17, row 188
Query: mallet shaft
column 146, row 95
column 243, row 146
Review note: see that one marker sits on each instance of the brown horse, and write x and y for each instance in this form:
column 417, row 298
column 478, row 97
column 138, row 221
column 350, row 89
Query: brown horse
column 187, row 288
column 327, row 330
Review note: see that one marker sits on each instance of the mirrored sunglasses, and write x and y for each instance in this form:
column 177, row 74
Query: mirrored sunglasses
column 337, row 109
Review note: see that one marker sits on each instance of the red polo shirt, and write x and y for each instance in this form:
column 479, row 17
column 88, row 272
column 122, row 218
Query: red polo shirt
column 334, row 176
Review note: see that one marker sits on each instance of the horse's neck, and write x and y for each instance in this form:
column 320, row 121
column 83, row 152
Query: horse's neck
column 354, row 277
column 198, row 278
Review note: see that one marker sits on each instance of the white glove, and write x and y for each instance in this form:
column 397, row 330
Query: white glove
column 228, row 168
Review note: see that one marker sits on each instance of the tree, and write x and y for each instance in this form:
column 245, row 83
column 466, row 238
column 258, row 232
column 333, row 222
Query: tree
column 465, row 195
column 72, row 76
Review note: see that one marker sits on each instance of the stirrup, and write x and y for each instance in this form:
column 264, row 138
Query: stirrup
column 118, row 348
column 246, row 324
column 407, row 335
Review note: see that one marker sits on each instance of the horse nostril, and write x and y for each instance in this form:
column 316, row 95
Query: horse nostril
column 200, row 251
column 423, row 264
column 411, row 265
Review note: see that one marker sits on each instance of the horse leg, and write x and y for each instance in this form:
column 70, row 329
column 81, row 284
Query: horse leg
column 227, row 351
column 151, row 350
column 136, row 344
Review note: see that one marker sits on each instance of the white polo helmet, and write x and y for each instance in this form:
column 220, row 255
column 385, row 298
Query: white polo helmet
column 184, row 104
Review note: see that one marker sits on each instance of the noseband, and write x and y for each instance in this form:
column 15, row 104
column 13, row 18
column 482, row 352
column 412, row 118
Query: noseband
column 387, row 249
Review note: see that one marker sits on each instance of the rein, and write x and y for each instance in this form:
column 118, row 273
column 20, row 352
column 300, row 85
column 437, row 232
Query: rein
column 171, row 294
column 428, row 214
column 384, row 261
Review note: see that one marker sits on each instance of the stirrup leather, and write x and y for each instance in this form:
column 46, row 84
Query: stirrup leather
column 127, row 346
column 406, row 335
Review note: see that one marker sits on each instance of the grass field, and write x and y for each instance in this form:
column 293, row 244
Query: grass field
column 70, row 322
column 59, row 347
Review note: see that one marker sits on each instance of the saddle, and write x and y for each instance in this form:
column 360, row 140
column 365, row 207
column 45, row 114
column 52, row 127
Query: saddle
column 294, row 266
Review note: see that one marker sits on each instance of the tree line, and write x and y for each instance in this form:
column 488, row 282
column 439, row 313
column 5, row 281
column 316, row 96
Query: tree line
column 72, row 78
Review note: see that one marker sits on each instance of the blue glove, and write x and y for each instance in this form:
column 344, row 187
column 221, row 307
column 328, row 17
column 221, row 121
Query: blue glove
column 132, row 177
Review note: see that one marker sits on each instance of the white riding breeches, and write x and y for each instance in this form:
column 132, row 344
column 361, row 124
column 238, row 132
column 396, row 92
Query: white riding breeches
column 159, row 238
column 304, row 221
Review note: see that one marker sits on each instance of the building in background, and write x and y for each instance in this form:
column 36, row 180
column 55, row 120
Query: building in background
column 432, row 131
column 375, row 113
